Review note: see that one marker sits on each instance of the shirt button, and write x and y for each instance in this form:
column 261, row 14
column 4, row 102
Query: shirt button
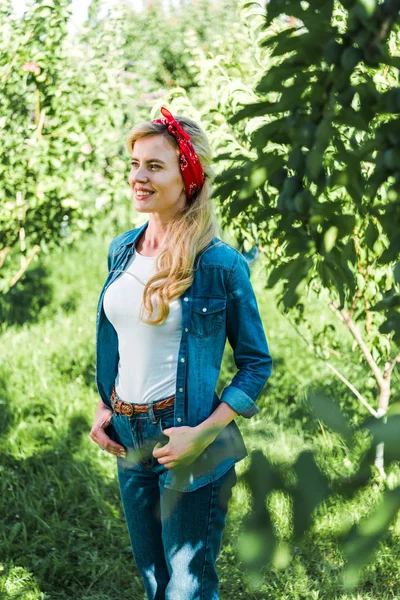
column 180, row 390
column 186, row 299
column 182, row 360
column 186, row 329
column 179, row 419
column 204, row 310
column 98, row 313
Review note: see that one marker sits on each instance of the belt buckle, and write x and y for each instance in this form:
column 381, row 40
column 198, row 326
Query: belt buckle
column 126, row 409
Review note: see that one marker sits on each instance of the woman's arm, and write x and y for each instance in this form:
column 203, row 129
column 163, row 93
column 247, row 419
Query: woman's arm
column 246, row 336
column 216, row 422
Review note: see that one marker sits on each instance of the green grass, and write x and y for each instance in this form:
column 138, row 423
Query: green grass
column 63, row 535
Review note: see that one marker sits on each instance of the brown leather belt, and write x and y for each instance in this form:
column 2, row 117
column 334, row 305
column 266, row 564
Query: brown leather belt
column 128, row 409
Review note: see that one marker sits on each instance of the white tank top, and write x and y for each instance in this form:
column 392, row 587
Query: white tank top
column 148, row 354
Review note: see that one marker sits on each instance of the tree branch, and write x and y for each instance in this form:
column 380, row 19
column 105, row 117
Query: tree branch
column 353, row 389
column 335, row 371
column 392, row 365
column 347, row 320
column 357, row 295
column 3, row 254
column 22, row 270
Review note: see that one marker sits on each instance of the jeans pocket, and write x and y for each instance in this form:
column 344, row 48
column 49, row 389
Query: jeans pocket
column 166, row 418
column 112, row 429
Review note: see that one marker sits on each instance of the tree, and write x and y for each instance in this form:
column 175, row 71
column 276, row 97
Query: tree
column 62, row 123
column 314, row 170
column 320, row 179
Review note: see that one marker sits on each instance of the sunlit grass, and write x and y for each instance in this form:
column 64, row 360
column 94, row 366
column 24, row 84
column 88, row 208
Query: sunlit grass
column 63, row 534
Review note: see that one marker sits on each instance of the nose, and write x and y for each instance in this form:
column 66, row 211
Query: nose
column 140, row 175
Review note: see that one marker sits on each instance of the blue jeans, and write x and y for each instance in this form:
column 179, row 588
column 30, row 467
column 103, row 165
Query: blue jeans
column 175, row 536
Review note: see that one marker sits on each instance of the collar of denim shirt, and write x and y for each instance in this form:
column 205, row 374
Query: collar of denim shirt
column 130, row 238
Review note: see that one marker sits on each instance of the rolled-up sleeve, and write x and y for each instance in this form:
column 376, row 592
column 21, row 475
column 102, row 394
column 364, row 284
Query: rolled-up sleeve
column 247, row 338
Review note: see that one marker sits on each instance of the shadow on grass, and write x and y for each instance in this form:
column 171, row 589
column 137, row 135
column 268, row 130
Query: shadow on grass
column 24, row 301
column 74, row 365
column 284, row 398
column 63, row 521
column 7, row 418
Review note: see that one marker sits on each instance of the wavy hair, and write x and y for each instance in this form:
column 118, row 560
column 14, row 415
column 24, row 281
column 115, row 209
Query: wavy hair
column 190, row 230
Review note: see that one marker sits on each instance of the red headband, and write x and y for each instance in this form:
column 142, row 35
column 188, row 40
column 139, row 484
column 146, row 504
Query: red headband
column 191, row 169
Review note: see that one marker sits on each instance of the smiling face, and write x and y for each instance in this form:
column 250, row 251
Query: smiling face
column 155, row 177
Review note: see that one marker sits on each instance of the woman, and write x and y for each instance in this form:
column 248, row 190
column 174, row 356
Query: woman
column 175, row 440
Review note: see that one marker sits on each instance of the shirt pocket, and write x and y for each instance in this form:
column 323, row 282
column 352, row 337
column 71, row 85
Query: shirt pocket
column 208, row 316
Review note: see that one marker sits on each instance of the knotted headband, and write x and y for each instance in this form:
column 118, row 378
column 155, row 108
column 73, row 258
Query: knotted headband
column 191, row 169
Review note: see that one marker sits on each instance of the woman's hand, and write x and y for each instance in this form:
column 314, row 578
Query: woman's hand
column 98, row 435
column 184, row 446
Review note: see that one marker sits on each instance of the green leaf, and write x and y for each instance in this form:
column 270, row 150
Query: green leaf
column 235, row 172
column 302, row 202
column 350, row 57
column 250, row 110
column 225, row 190
column 364, row 539
column 388, row 433
column 271, row 132
column 257, row 178
column 393, row 61
column 282, row 272
column 386, row 303
column 369, row 6
column 396, row 272
column 296, row 160
column 332, row 52
column 314, row 163
column 348, row 116
column 257, row 542
column 335, row 274
column 330, row 237
column 248, row 4
column 329, row 413
column 391, row 253
column 371, row 235
column 275, row 77
column 392, row 326
column 286, row 41
column 278, row 177
column 230, row 156
column 273, row 163
column 278, row 7
column 292, row 291
column 311, row 490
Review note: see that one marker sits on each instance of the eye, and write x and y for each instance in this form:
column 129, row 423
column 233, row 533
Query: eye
column 134, row 164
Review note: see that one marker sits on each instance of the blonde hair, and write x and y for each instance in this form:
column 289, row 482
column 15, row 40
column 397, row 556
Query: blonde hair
column 190, row 230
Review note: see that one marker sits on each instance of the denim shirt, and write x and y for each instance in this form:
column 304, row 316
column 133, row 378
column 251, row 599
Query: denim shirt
column 219, row 304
